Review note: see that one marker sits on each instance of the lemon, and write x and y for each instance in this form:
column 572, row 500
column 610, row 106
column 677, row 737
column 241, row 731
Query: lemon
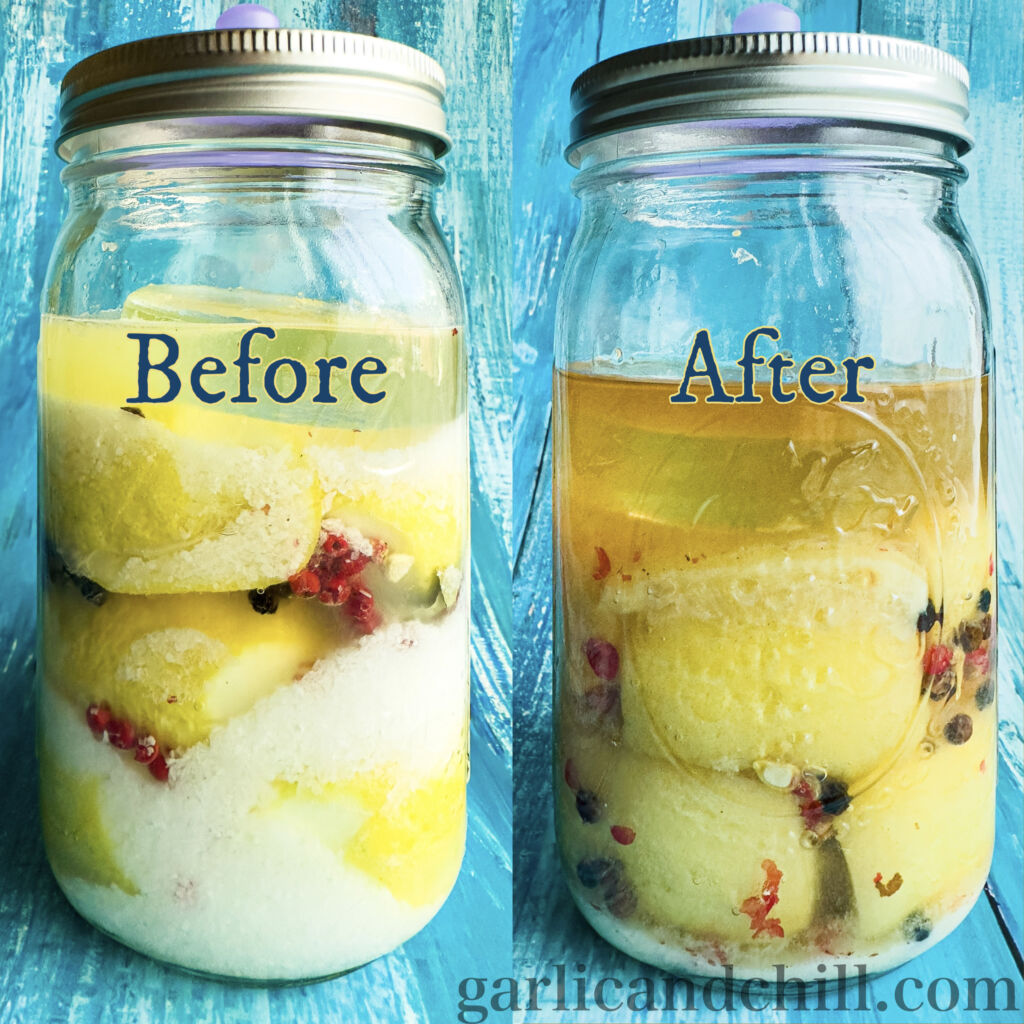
column 178, row 666
column 423, row 531
column 929, row 819
column 700, row 840
column 77, row 841
column 810, row 657
column 205, row 304
column 142, row 511
column 413, row 847
column 410, row 841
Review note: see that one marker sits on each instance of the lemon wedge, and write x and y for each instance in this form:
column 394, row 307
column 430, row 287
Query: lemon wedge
column 141, row 510
column 179, row 666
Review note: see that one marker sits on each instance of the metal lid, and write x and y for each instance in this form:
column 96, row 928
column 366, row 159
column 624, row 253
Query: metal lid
column 832, row 76
column 318, row 76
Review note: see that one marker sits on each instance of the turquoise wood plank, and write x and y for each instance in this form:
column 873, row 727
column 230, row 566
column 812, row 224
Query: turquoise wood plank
column 988, row 37
column 54, row 967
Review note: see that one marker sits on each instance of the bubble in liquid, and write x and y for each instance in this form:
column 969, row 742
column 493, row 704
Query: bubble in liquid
column 809, row 840
column 616, row 355
column 926, row 748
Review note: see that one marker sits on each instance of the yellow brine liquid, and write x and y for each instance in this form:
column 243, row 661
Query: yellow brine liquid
column 775, row 717
column 254, row 655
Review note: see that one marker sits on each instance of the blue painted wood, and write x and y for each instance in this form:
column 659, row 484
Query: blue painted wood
column 54, row 967
column 555, row 41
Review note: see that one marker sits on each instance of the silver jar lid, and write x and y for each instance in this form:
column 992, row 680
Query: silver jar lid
column 308, row 75
column 830, row 76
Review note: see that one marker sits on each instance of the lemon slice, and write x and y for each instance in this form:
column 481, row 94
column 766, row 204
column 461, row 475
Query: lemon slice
column 918, row 810
column 408, row 837
column 205, row 304
column 699, row 840
column 413, row 846
column 810, row 657
column 177, row 667
column 141, row 510
column 78, row 843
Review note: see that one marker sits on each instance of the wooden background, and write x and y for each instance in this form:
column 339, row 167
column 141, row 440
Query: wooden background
column 510, row 247
column 555, row 40
column 55, row 969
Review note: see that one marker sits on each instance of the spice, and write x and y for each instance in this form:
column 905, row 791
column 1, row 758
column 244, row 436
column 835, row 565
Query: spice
column 623, row 834
column 937, row 659
column 594, row 871
column 588, row 804
column 888, row 888
column 959, row 729
column 917, row 927
column 758, row 907
column 602, row 657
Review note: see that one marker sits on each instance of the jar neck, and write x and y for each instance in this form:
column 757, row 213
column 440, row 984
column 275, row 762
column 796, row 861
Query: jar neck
column 364, row 171
column 768, row 163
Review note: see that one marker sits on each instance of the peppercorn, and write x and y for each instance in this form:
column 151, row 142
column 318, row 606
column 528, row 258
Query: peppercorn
column 834, row 796
column 265, row 600
column 588, row 804
column 959, row 729
column 984, row 695
column 917, row 927
column 942, row 686
column 89, row 589
column 928, row 618
column 595, row 870
column 969, row 637
column 620, row 897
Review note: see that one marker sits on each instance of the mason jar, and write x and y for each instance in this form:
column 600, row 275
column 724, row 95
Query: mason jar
column 773, row 501
column 253, row 683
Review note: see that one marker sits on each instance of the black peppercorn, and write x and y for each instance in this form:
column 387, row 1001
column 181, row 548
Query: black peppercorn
column 588, row 803
column 959, row 729
column 917, row 927
column 595, row 870
column 834, row 796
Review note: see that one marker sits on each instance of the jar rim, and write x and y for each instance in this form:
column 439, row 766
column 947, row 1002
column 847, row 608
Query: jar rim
column 813, row 76
column 333, row 78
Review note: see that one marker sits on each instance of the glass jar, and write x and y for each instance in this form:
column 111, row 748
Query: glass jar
column 253, row 686
column 775, row 641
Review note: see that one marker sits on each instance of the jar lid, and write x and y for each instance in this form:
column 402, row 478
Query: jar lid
column 830, row 76
column 304, row 74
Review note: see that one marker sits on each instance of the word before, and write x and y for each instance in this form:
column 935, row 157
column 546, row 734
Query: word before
column 285, row 380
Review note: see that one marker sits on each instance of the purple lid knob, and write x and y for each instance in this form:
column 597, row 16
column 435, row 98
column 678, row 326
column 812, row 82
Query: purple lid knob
column 249, row 16
column 766, row 18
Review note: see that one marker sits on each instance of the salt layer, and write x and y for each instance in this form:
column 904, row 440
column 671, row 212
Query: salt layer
column 671, row 955
column 230, row 892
